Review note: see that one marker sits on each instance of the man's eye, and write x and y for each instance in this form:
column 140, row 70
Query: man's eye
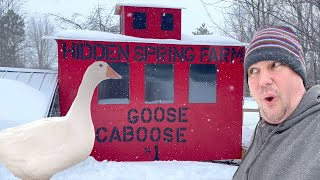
column 276, row 64
column 253, row 71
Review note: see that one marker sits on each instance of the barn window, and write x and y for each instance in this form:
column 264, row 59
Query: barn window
column 167, row 22
column 139, row 20
column 202, row 83
column 115, row 91
column 159, row 83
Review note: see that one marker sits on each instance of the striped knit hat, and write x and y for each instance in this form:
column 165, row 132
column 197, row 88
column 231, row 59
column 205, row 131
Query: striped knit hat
column 279, row 44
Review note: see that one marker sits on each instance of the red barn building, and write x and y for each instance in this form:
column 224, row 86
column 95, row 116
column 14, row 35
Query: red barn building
column 180, row 97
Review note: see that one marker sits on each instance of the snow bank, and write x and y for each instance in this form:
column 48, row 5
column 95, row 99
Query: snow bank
column 20, row 104
column 158, row 170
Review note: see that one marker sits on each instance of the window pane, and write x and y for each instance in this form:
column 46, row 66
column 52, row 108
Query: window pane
column 36, row 80
column 202, row 83
column 167, row 22
column 139, row 20
column 12, row 75
column 115, row 91
column 159, row 83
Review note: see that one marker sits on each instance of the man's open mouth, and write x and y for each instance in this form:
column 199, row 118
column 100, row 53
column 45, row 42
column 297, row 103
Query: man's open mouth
column 269, row 99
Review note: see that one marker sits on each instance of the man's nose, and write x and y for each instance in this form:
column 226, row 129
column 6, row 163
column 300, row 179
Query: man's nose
column 265, row 78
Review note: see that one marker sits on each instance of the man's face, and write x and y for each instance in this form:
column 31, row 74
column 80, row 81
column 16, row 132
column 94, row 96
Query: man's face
column 276, row 88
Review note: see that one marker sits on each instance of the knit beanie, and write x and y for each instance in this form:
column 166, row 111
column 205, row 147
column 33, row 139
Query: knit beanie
column 279, row 44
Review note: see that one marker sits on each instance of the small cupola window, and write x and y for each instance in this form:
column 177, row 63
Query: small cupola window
column 167, row 22
column 139, row 20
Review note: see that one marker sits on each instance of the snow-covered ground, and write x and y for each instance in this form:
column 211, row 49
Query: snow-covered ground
column 250, row 120
column 20, row 104
column 15, row 103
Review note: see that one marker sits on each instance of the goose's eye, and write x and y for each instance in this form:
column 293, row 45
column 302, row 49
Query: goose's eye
column 100, row 65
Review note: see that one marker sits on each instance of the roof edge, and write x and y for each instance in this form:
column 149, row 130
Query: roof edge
column 149, row 4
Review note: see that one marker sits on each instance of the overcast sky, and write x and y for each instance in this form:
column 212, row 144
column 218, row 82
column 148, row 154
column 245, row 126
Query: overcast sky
column 193, row 15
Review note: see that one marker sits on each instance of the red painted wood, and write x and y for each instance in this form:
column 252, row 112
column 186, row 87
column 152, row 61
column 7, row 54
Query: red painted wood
column 153, row 24
column 211, row 131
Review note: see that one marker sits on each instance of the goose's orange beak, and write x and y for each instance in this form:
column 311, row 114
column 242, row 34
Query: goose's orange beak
column 112, row 74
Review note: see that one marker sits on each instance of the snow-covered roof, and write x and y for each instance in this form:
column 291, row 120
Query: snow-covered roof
column 185, row 39
column 177, row 4
column 44, row 81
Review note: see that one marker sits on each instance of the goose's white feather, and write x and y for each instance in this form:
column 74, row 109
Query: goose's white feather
column 40, row 149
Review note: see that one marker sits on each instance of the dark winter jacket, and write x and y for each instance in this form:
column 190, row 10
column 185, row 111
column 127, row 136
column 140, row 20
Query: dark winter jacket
column 288, row 151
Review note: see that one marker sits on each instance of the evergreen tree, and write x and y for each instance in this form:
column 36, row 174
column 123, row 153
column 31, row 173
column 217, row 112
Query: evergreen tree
column 12, row 35
column 202, row 30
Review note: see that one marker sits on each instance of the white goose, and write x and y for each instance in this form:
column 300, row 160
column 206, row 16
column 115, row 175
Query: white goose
column 38, row 150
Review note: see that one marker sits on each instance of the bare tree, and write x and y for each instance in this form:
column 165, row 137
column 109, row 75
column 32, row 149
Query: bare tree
column 42, row 52
column 100, row 19
column 239, row 23
column 6, row 5
column 244, row 17
column 304, row 17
